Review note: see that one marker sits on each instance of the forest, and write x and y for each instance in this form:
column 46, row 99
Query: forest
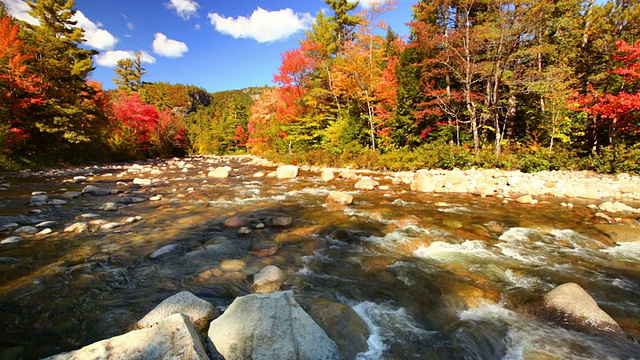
column 517, row 84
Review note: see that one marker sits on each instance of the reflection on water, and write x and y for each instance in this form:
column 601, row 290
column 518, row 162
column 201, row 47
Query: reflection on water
column 434, row 276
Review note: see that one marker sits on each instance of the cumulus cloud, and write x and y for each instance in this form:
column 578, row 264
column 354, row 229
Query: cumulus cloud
column 110, row 58
column 94, row 37
column 368, row 3
column 19, row 9
column 167, row 47
column 262, row 25
column 184, row 8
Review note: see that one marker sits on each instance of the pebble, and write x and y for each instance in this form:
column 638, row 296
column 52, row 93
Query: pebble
column 12, row 240
column 44, row 232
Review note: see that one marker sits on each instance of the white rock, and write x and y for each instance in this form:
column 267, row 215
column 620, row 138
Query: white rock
column 287, row 172
column 199, row 311
column 11, row 240
column 219, row 173
column 336, row 197
column 270, row 326
column 327, row 175
column 142, row 181
column 171, row 339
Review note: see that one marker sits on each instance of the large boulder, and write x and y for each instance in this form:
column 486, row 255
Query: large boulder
column 199, row 311
column 342, row 324
column 571, row 306
column 327, row 175
column 287, row 172
column 270, row 326
column 172, row 338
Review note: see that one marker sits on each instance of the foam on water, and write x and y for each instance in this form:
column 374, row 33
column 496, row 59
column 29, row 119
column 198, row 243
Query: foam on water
column 527, row 282
column 387, row 324
column 444, row 251
column 455, row 209
column 625, row 251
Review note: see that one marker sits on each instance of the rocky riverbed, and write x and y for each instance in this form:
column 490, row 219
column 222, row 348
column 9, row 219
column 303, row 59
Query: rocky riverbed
column 423, row 258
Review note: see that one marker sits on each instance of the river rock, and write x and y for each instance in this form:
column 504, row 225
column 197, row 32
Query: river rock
column 8, row 260
column 336, row 197
column 236, row 222
column 9, row 226
column 110, row 206
column 270, row 326
column 620, row 233
column 269, row 279
column 616, row 207
column 342, row 324
column 45, row 231
column 199, row 311
column 348, row 175
column 287, row 172
column 366, row 184
column 79, row 179
column 131, row 200
column 172, row 338
column 95, row 191
column 165, row 250
column 26, row 230
column 327, row 175
column 570, row 305
column 423, row 183
column 219, row 173
column 56, row 202
column 46, row 224
column 280, row 221
column 142, row 181
column 232, row 265
column 38, row 199
column 11, row 240
column 76, row 227
column 524, row 199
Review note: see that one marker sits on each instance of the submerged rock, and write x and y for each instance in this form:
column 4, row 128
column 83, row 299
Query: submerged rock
column 172, row 338
column 199, row 311
column 165, row 250
column 620, row 233
column 270, row 326
column 342, row 324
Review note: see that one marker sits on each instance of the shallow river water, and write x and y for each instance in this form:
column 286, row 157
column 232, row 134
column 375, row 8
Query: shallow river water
column 434, row 276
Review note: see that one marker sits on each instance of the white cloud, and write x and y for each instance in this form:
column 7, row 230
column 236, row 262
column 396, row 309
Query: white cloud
column 131, row 25
column 366, row 4
column 19, row 9
column 263, row 25
column 167, row 47
column 95, row 37
column 110, row 58
column 184, row 8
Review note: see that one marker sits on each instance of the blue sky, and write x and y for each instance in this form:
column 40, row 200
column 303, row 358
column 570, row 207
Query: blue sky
column 214, row 44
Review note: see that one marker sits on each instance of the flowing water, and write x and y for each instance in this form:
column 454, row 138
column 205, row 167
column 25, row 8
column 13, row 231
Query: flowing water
column 434, row 276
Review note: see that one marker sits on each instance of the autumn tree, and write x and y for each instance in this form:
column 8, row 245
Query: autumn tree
column 617, row 115
column 20, row 90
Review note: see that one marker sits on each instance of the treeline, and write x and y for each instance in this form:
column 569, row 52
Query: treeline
column 528, row 84
column 522, row 84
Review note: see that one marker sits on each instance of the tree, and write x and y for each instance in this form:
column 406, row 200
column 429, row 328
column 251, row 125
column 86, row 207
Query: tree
column 617, row 115
column 129, row 72
column 63, row 120
column 20, row 90
column 345, row 23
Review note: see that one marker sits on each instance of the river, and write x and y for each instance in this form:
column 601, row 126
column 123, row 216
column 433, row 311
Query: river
column 435, row 276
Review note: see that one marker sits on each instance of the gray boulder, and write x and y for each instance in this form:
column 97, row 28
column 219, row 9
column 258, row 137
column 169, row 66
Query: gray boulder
column 172, row 338
column 270, row 326
column 199, row 311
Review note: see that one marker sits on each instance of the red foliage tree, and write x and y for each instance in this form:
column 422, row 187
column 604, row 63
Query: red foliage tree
column 619, row 113
column 19, row 89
